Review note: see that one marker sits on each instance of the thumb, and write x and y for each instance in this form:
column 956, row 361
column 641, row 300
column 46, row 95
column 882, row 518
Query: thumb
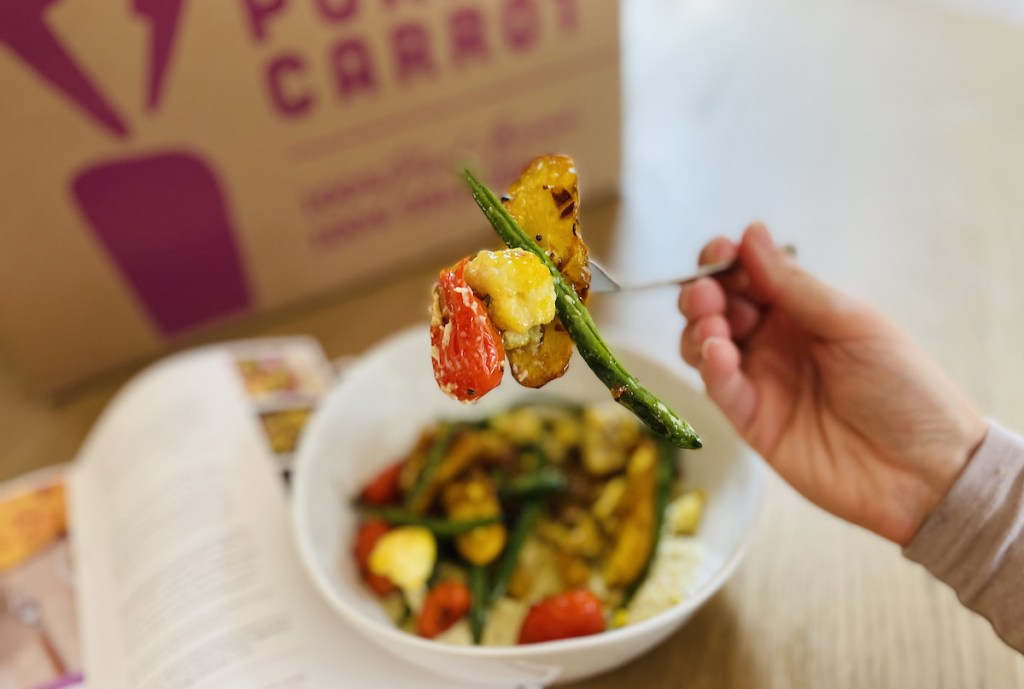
column 779, row 281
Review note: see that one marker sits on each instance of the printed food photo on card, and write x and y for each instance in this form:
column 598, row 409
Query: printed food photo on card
column 39, row 646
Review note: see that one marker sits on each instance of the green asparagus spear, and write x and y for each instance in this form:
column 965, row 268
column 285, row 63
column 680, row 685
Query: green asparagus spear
column 625, row 388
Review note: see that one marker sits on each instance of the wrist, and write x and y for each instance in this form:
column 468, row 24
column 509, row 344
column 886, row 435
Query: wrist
column 943, row 474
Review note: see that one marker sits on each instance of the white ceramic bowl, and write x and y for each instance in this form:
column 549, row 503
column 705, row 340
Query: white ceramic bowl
column 375, row 415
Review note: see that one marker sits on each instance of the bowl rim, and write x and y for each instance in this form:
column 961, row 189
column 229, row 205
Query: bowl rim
column 523, row 651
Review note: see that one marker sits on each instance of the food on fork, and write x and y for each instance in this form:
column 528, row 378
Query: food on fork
column 516, row 289
column 527, row 302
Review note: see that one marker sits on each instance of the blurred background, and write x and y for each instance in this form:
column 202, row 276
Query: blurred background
column 313, row 144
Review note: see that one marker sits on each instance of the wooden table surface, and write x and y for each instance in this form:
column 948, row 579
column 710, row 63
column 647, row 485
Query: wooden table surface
column 884, row 139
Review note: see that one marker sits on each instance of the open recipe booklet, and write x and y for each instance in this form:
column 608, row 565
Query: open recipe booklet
column 181, row 569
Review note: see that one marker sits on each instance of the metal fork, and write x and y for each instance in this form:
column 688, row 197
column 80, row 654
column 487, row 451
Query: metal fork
column 603, row 281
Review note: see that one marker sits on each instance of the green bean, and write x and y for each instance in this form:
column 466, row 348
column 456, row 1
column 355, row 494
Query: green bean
column 434, row 456
column 441, row 528
column 542, row 481
column 478, row 604
column 520, row 532
column 664, row 474
column 625, row 388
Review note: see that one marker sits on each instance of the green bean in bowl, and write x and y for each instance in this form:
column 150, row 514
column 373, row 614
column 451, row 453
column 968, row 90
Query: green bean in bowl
column 374, row 419
column 537, row 523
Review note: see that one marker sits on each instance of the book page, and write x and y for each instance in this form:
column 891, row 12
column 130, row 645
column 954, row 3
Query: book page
column 188, row 575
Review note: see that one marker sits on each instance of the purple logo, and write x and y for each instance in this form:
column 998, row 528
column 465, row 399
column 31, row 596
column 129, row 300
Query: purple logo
column 162, row 218
column 23, row 29
column 163, row 16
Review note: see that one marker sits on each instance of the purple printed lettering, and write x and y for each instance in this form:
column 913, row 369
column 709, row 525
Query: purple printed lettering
column 259, row 11
column 338, row 10
column 568, row 18
column 288, row 101
column 353, row 67
column 468, row 37
column 411, row 46
column 520, row 22
column 392, row 4
column 349, row 228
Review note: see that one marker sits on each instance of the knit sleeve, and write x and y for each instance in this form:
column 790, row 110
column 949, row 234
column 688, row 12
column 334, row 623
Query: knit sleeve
column 974, row 539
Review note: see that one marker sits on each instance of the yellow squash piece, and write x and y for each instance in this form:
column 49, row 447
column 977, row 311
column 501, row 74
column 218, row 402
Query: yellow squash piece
column 405, row 555
column 609, row 431
column 545, row 202
column 685, row 512
column 473, row 498
column 519, row 286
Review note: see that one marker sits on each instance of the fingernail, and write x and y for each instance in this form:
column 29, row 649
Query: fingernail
column 705, row 347
column 760, row 236
column 684, row 298
column 718, row 249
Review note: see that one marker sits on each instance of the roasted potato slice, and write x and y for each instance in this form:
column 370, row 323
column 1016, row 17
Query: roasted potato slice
column 540, row 362
column 635, row 540
column 545, row 201
column 466, row 450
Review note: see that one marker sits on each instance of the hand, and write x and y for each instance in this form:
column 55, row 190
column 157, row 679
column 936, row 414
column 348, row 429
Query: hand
column 834, row 397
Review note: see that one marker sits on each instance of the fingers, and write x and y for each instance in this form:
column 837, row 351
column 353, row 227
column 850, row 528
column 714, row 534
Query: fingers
column 701, row 298
column 726, row 383
column 697, row 332
column 705, row 297
column 723, row 250
column 717, row 250
column 743, row 315
column 719, row 311
column 778, row 280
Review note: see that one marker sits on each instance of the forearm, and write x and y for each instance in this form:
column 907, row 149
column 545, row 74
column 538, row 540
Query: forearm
column 974, row 539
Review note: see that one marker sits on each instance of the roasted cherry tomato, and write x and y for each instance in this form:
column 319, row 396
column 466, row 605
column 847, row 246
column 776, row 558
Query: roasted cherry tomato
column 383, row 489
column 444, row 605
column 369, row 533
column 562, row 616
column 466, row 348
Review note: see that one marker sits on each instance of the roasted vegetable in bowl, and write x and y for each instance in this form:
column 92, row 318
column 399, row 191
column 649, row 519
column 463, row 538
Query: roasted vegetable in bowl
column 538, row 523
column 528, row 302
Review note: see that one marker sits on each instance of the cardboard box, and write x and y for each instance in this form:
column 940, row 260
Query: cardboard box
column 168, row 165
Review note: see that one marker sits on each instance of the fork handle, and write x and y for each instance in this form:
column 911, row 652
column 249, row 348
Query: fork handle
column 707, row 270
column 720, row 267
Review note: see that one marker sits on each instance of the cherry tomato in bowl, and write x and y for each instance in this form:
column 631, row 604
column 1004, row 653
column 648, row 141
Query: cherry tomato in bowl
column 446, row 603
column 563, row 616
column 370, row 531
